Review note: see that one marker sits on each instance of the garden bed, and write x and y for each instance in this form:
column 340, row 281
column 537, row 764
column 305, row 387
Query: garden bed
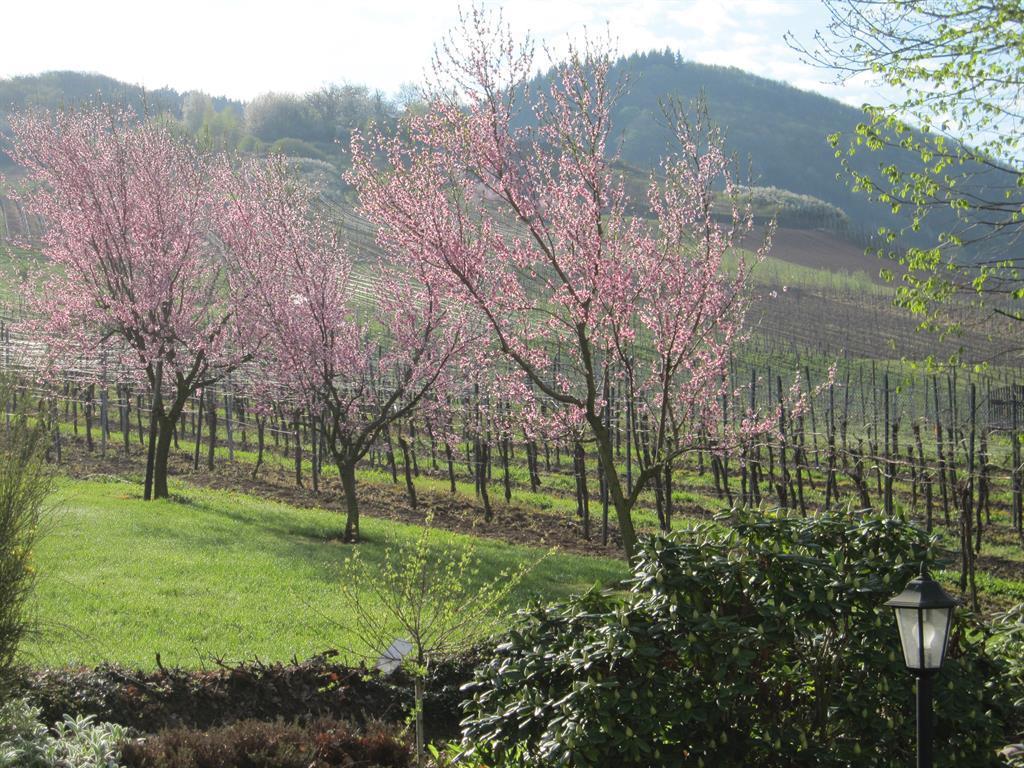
column 301, row 691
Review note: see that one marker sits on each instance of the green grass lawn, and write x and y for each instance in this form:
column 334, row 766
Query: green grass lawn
column 213, row 574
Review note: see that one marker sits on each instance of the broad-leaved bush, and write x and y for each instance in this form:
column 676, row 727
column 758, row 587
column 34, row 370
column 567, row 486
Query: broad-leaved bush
column 757, row 640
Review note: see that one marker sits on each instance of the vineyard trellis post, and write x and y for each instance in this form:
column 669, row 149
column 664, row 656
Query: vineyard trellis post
column 1015, row 458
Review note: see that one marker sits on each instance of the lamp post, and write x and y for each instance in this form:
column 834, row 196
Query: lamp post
column 924, row 614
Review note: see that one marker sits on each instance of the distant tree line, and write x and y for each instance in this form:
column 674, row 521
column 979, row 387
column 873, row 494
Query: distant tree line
column 781, row 130
column 316, row 125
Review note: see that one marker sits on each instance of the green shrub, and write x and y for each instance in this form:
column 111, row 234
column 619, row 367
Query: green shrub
column 23, row 738
column 82, row 742
column 256, row 744
column 759, row 642
column 25, row 483
column 74, row 743
column 297, row 148
column 249, row 144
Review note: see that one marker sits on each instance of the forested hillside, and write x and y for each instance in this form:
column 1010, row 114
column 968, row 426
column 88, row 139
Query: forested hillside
column 60, row 89
column 779, row 130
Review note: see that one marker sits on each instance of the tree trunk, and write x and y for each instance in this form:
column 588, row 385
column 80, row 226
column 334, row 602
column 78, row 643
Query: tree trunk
column 126, row 426
column 623, row 510
column 668, row 497
column 314, row 453
column 418, row 703
column 409, row 486
column 504, row 448
column 582, row 493
column 147, row 492
column 484, row 458
column 199, row 429
column 261, row 425
column 88, row 416
column 298, row 449
column 392, row 464
column 163, row 452
column 211, row 422
column 138, row 420
column 347, row 472
column 157, row 383
column 451, row 465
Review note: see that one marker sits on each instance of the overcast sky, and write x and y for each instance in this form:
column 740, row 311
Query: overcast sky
column 241, row 48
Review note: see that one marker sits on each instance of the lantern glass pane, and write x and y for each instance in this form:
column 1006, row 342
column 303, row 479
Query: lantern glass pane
column 935, row 626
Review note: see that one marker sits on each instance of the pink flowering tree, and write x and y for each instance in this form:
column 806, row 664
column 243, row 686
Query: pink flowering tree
column 365, row 351
column 513, row 196
column 129, row 209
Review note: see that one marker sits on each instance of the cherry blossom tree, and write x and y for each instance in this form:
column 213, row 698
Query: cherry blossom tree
column 130, row 210
column 513, row 196
column 364, row 352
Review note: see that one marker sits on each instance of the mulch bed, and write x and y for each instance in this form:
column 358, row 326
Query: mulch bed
column 228, row 693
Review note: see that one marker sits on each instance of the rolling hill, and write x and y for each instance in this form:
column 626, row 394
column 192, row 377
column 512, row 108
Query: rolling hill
column 819, row 289
column 781, row 130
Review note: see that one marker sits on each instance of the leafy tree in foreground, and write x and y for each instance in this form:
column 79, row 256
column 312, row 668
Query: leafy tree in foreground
column 511, row 202
column 761, row 642
column 957, row 69
column 131, row 211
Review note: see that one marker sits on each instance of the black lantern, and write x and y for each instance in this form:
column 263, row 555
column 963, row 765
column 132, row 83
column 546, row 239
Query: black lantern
column 924, row 614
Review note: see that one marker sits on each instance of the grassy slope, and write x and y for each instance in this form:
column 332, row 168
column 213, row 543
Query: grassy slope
column 218, row 574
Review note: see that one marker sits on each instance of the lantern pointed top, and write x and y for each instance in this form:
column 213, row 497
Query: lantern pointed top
column 923, row 592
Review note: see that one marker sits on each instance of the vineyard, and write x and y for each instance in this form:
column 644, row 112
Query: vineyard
column 943, row 449
column 869, row 432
